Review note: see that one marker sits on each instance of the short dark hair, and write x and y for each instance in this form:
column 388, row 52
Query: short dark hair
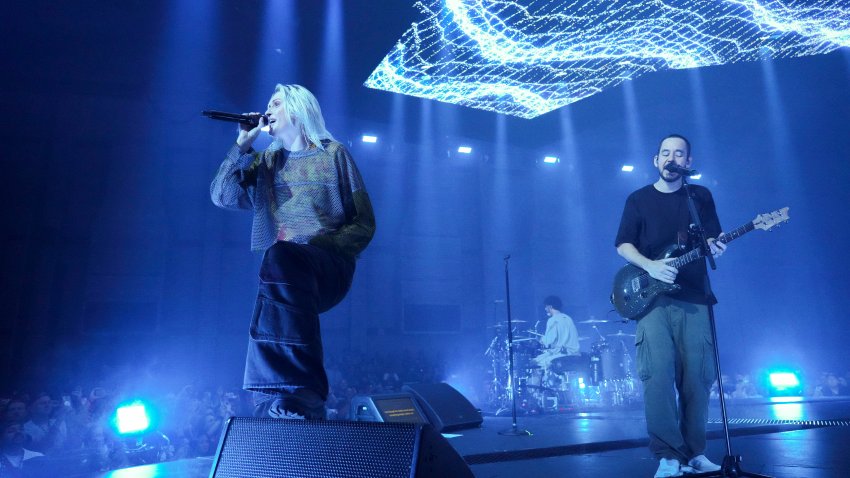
column 675, row 135
column 554, row 301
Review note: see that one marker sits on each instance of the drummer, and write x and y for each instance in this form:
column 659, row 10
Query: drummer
column 561, row 337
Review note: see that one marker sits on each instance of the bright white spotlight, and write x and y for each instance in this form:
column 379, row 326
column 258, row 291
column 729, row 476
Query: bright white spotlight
column 784, row 380
column 369, row 138
column 132, row 418
column 551, row 160
column 627, row 168
column 464, row 149
column 783, row 384
column 696, row 176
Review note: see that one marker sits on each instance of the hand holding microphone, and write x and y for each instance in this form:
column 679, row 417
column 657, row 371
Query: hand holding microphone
column 248, row 132
column 250, row 125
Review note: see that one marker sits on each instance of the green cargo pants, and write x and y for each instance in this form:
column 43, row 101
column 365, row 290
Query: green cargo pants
column 675, row 362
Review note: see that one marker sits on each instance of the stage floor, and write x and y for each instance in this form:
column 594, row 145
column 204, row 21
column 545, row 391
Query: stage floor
column 806, row 439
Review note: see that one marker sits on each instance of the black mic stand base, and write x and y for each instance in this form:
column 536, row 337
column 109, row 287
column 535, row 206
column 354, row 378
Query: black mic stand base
column 731, row 468
column 513, row 431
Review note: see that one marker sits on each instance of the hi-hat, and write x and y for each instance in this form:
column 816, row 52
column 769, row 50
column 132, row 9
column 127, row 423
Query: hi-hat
column 594, row 321
column 621, row 334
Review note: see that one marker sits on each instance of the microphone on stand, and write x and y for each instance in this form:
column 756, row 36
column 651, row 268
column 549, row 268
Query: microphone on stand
column 250, row 120
column 675, row 168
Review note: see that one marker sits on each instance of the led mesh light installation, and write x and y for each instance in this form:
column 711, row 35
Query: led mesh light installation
column 527, row 57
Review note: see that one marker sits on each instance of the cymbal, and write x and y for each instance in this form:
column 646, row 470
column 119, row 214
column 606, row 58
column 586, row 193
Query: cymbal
column 621, row 334
column 594, row 321
column 505, row 324
column 525, row 339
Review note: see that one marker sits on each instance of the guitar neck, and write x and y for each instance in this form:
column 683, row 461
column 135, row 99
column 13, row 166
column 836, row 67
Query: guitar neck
column 728, row 237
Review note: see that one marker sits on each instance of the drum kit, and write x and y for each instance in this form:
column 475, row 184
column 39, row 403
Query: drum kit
column 602, row 376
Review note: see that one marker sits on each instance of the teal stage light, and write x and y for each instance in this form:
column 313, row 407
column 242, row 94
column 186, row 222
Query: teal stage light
column 131, row 419
column 784, row 383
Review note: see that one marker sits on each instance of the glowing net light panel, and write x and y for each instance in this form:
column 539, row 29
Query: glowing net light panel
column 367, row 138
column 132, row 419
column 464, row 149
column 528, row 57
column 551, row 160
column 627, row 168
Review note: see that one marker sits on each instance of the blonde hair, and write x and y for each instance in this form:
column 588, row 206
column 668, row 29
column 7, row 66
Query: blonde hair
column 300, row 103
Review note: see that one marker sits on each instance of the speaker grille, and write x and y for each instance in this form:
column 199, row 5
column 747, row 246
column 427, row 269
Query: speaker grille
column 254, row 447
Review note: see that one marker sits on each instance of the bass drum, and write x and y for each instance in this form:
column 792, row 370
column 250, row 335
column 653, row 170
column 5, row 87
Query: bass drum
column 608, row 362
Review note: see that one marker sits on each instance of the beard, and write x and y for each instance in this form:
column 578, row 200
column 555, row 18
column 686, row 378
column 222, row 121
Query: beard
column 675, row 176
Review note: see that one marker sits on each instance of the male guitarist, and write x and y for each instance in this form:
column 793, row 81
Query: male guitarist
column 674, row 343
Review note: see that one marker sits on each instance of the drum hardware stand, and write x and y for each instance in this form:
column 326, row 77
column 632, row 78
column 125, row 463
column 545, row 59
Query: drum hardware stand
column 513, row 431
column 601, row 337
column 731, row 466
column 498, row 388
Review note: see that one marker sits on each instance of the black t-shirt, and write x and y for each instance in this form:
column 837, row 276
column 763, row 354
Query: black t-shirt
column 653, row 221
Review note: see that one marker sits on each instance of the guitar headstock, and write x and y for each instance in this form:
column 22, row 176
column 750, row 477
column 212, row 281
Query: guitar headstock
column 769, row 220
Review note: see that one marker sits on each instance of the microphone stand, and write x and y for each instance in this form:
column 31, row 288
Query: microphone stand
column 513, row 431
column 731, row 466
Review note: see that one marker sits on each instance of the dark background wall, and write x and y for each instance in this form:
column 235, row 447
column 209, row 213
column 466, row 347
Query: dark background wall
column 115, row 262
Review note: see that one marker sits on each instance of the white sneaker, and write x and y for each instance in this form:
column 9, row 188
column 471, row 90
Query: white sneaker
column 670, row 467
column 701, row 464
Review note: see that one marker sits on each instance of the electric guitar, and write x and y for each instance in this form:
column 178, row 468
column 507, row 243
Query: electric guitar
column 634, row 289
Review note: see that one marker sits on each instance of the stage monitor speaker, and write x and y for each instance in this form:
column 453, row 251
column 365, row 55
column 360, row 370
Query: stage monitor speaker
column 388, row 407
column 268, row 447
column 445, row 407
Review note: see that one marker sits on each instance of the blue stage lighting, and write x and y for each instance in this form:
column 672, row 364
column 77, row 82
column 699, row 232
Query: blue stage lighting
column 132, row 418
column 464, row 149
column 627, row 168
column 528, row 57
column 784, row 380
column 369, row 138
column 784, row 384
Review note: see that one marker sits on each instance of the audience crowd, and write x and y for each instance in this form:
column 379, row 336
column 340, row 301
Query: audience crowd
column 743, row 385
column 75, row 429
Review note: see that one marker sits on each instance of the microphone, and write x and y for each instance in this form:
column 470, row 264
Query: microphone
column 675, row 168
column 250, row 120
